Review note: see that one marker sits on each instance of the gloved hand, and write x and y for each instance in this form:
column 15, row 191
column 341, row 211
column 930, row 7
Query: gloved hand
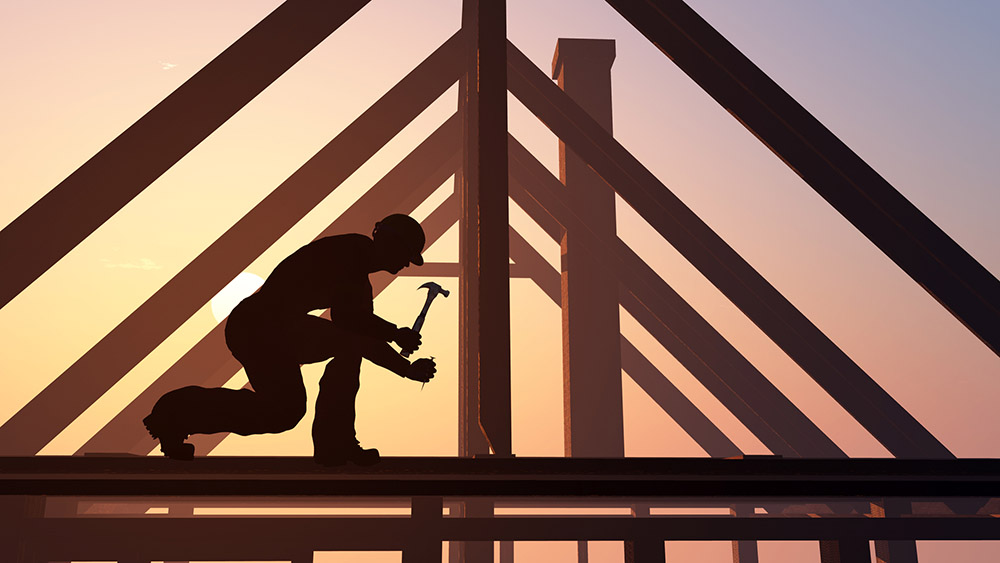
column 408, row 339
column 421, row 370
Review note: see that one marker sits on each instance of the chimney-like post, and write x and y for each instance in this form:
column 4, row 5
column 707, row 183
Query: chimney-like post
column 592, row 382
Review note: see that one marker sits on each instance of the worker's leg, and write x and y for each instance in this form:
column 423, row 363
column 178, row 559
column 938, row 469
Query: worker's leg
column 279, row 399
column 333, row 426
column 276, row 404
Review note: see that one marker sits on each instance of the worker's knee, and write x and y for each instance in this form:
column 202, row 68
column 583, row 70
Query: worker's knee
column 286, row 414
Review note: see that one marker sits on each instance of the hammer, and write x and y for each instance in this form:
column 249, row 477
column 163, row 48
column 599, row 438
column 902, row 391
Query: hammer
column 433, row 290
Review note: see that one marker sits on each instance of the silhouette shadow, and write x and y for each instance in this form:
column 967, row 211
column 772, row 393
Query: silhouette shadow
column 272, row 334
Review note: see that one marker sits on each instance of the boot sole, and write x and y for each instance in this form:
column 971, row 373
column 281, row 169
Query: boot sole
column 172, row 445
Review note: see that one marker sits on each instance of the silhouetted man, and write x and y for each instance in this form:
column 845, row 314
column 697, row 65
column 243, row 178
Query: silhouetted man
column 272, row 333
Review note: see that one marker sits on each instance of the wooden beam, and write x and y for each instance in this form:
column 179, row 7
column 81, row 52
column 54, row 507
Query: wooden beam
column 69, row 213
column 96, row 506
column 659, row 388
column 471, row 440
column 453, row 269
column 687, row 478
column 426, row 514
column 17, row 512
column 844, row 551
column 124, row 347
column 907, row 236
column 485, row 309
column 705, row 353
column 592, row 371
column 677, row 406
column 272, row 538
column 529, row 263
column 645, row 551
column 744, row 551
column 818, row 356
column 887, row 551
column 209, row 362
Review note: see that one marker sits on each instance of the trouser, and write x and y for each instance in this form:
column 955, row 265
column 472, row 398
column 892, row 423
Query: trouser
column 277, row 403
column 271, row 350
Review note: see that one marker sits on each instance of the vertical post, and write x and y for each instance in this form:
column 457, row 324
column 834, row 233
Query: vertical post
column 893, row 551
column 186, row 510
column 592, row 375
column 472, row 551
column 471, row 441
column 425, row 512
column 479, row 551
column 485, row 315
column 62, row 508
column 506, row 551
column 16, row 514
column 644, row 550
column 744, row 551
column 845, row 551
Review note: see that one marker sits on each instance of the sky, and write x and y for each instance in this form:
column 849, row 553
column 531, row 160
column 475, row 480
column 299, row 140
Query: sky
column 909, row 86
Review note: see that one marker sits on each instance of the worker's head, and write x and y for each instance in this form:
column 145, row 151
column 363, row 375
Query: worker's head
column 399, row 240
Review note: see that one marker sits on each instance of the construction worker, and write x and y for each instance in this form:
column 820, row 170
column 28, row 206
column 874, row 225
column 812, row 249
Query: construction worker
column 272, row 333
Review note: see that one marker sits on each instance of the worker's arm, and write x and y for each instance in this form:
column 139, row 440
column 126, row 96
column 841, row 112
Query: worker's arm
column 381, row 354
column 374, row 325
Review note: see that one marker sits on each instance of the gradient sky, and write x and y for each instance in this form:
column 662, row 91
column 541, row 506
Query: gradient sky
column 910, row 86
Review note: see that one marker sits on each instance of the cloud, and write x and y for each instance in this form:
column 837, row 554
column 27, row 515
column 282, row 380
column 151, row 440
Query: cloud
column 142, row 264
column 166, row 66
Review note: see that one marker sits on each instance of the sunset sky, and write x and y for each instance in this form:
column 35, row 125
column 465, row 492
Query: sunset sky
column 911, row 86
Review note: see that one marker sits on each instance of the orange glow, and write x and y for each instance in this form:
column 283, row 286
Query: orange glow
column 72, row 88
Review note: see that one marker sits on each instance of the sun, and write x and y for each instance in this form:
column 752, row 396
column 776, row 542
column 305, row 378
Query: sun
column 235, row 291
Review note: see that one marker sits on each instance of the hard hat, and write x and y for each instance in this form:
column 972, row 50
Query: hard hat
column 405, row 231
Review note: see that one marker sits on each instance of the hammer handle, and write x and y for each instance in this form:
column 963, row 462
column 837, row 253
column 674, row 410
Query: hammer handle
column 417, row 325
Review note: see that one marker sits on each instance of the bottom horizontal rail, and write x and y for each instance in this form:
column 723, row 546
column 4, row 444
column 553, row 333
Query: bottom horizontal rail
column 275, row 538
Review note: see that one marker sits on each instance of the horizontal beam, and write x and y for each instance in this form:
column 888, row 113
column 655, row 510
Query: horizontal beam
column 274, row 538
column 542, row 477
column 63, row 400
column 451, row 270
column 82, row 202
column 94, row 506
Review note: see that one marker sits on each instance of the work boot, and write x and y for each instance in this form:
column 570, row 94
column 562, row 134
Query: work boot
column 172, row 442
column 165, row 427
column 353, row 453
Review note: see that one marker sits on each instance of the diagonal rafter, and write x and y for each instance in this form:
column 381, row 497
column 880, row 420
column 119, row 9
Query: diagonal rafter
column 136, row 336
column 144, row 151
column 907, row 236
column 673, row 402
column 818, row 356
column 705, row 353
column 209, row 362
